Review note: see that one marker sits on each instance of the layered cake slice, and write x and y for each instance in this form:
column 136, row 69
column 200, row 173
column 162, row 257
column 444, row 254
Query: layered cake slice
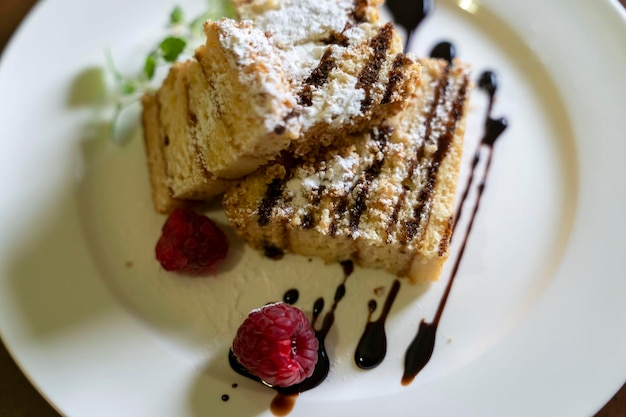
column 384, row 201
column 330, row 87
column 247, row 97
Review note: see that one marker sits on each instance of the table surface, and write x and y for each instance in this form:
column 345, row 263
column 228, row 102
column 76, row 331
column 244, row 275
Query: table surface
column 18, row 398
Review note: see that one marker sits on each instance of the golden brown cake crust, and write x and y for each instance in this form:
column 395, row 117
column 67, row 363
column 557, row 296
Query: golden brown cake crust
column 385, row 200
column 153, row 141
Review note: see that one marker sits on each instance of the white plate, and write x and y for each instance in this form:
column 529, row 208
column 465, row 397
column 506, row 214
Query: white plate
column 535, row 322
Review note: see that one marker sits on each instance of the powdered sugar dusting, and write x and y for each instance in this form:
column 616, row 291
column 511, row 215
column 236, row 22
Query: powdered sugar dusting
column 250, row 50
column 294, row 22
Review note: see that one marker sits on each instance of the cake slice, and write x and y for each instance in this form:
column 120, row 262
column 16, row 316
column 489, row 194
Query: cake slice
column 385, row 200
column 321, row 87
column 252, row 92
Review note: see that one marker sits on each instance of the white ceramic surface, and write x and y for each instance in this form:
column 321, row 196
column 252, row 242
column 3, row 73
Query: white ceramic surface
column 535, row 322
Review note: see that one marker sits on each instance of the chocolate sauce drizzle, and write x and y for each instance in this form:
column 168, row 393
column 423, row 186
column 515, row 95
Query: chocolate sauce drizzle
column 493, row 128
column 372, row 346
column 444, row 50
column 284, row 400
column 410, row 14
column 421, row 348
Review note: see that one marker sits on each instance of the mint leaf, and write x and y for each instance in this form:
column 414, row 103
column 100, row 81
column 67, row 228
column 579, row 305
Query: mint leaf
column 172, row 47
column 176, row 17
column 149, row 67
column 128, row 88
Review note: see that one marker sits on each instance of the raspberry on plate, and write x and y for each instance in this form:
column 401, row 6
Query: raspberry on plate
column 277, row 344
column 191, row 243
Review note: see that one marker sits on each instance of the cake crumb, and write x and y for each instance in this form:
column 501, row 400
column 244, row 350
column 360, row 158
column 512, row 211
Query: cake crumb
column 379, row 291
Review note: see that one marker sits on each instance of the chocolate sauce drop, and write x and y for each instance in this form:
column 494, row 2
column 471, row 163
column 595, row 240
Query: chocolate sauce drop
column 282, row 404
column 318, row 306
column 225, row 397
column 444, row 50
column 409, row 14
column 488, row 81
column 419, row 351
column 493, row 129
column 273, row 252
column 348, row 268
column 234, row 385
column 421, row 348
column 291, row 296
column 372, row 346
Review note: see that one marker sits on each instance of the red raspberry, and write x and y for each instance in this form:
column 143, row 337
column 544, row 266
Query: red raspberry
column 191, row 243
column 277, row 344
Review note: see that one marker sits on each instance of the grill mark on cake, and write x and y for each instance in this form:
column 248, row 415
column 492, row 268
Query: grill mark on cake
column 380, row 135
column 443, row 146
column 308, row 219
column 340, row 209
column 396, row 75
column 393, row 219
column 411, row 226
column 318, row 78
column 441, row 85
column 338, row 38
column 444, row 243
column 371, row 173
column 273, row 193
column 317, row 198
column 359, row 13
column 370, row 72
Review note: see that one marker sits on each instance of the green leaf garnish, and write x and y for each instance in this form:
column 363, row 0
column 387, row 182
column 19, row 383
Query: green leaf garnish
column 149, row 67
column 128, row 88
column 177, row 17
column 172, row 47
